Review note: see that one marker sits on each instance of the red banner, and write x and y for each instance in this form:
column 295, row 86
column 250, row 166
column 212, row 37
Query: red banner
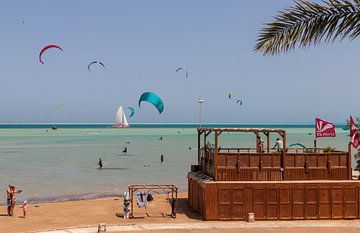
column 354, row 133
column 324, row 128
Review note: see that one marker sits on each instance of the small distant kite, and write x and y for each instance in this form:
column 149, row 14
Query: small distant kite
column 59, row 107
column 239, row 102
column 46, row 48
column 186, row 71
column 231, row 94
column 153, row 99
column 91, row 63
column 132, row 111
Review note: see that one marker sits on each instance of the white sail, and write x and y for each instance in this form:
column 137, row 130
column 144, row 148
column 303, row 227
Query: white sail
column 120, row 119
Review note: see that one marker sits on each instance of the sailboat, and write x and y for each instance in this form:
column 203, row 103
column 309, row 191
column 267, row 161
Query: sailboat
column 120, row 119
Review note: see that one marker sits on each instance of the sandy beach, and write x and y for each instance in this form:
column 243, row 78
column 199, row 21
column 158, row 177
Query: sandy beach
column 85, row 215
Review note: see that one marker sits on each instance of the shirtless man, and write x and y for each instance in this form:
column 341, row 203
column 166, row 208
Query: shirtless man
column 11, row 198
column 8, row 199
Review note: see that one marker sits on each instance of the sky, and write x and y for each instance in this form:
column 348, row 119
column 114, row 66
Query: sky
column 142, row 43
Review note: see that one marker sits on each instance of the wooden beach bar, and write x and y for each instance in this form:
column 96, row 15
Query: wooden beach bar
column 274, row 184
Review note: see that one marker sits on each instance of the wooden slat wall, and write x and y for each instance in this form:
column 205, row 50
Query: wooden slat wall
column 278, row 201
column 266, row 167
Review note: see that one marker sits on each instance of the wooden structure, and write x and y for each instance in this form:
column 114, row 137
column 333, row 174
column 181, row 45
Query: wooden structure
column 147, row 188
column 289, row 183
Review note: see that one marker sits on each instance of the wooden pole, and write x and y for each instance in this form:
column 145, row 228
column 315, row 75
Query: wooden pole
column 216, row 155
column 199, row 152
column 268, row 142
column 132, row 203
column 315, row 145
column 284, row 155
column 349, row 162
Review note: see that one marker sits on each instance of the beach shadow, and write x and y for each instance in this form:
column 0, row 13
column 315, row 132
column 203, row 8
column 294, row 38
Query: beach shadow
column 183, row 208
column 3, row 215
column 21, row 217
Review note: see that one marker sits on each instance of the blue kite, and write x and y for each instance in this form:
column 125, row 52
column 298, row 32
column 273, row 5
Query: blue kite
column 153, row 99
column 132, row 111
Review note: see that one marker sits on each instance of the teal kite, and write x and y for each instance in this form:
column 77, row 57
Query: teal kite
column 298, row 144
column 153, row 99
column 132, row 111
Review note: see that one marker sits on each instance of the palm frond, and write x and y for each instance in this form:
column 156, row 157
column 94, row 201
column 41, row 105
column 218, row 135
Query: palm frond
column 308, row 23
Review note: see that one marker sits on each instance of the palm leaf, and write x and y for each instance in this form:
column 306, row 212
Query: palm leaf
column 308, row 23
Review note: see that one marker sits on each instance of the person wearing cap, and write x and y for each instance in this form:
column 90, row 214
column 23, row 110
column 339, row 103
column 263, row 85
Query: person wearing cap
column 25, row 208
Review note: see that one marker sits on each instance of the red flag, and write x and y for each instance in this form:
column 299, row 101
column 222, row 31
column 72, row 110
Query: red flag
column 354, row 133
column 324, row 128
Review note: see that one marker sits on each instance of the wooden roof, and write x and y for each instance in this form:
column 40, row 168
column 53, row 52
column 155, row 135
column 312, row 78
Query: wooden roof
column 253, row 130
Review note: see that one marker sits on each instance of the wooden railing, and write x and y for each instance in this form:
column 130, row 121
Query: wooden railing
column 246, row 164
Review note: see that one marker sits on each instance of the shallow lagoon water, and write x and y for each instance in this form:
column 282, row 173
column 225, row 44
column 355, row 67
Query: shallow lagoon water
column 53, row 165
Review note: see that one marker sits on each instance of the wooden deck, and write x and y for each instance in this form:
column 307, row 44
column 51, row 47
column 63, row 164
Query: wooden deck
column 286, row 183
column 274, row 200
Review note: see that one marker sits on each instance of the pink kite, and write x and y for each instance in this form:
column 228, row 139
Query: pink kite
column 46, row 48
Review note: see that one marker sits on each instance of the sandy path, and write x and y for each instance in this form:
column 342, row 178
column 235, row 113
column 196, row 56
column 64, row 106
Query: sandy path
column 84, row 216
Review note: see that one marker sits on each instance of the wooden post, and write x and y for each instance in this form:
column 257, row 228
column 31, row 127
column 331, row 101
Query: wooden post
column 315, row 145
column 268, row 142
column 199, row 152
column 131, row 203
column 257, row 141
column 216, row 155
column 284, row 155
column 349, row 162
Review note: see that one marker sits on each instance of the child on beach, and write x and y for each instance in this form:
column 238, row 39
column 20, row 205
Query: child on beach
column 25, row 208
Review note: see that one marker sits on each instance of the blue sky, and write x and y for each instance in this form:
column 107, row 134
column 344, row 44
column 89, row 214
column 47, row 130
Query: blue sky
column 142, row 43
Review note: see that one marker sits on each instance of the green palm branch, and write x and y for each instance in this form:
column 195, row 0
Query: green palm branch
column 308, row 23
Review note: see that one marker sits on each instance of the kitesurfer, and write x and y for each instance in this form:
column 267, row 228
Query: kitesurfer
column 125, row 150
column 100, row 163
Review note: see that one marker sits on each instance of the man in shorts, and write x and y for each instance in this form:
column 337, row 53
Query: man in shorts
column 9, row 194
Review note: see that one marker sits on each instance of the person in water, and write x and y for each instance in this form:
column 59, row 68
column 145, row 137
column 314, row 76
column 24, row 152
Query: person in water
column 125, row 150
column 162, row 158
column 100, row 163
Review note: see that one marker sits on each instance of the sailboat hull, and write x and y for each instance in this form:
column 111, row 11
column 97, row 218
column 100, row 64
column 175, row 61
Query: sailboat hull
column 121, row 126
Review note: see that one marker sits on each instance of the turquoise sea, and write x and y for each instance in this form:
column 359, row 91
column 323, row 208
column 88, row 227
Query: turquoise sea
column 55, row 165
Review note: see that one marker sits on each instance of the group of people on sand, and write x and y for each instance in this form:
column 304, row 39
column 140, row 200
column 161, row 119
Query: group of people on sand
column 11, row 200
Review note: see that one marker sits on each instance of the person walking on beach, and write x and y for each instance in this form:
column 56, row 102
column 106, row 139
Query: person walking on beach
column 279, row 145
column 162, row 158
column 25, row 208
